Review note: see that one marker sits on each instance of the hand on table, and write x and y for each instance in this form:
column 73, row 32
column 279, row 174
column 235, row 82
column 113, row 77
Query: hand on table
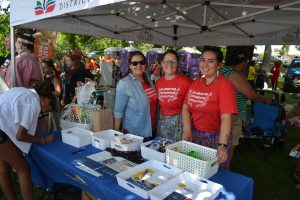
column 48, row 138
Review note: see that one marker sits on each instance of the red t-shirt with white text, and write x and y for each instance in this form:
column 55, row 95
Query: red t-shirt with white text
column 152, row 96
column 171, row 94
column 207, row 102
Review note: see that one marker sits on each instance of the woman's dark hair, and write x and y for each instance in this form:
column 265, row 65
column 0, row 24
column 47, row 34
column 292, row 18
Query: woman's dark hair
column 170, row 51
column 236, row 58
column 75, row 59
column 44, row 90
column 138, row 53
column 49, row 62
column 215, row 50
column 135, row 53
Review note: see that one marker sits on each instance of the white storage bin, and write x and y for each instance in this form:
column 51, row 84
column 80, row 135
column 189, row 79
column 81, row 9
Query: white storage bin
column 150, row 154
column 155, row 165
column 204, row 168
column 135, row 145
column 76, row 137
column 102, row 139
column 189, row 185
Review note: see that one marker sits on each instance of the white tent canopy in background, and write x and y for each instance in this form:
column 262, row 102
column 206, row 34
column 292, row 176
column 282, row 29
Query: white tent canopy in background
column 168, row 22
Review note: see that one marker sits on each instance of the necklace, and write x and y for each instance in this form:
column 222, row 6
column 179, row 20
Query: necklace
column 216, row 77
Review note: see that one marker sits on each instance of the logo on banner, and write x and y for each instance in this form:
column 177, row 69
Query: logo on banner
column 44, row 6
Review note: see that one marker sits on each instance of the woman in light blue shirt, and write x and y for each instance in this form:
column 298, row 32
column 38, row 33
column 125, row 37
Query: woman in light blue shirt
column 136, row 99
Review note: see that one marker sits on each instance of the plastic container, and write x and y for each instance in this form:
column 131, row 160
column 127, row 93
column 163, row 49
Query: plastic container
column 175, row 156
column 135, row 145
column 189, row 185
column 168, row 171
column 76, row 137
column 102, row 139
column 150, row 154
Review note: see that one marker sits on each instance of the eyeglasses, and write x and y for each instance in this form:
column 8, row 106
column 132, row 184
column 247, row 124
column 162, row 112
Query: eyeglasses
column 135, row 63
column 173, row 62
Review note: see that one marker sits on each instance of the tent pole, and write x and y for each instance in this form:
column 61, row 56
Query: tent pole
column 204, row 14
column 13, row 60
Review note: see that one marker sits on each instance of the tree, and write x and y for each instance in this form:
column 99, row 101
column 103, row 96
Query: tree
column 4, row 30
column 267, row 55
column 284, row 50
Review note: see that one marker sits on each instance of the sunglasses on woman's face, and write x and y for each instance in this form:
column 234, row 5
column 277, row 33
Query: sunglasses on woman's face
column 135, row 63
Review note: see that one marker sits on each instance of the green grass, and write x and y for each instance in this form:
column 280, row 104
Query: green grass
column 271, row 169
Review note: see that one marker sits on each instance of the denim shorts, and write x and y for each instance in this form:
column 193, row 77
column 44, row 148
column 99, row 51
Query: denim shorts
column 3, row 137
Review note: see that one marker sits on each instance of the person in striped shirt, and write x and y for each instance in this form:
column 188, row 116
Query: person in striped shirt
column 244, row 90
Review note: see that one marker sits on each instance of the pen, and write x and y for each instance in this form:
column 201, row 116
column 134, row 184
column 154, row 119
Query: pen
column 77, row 151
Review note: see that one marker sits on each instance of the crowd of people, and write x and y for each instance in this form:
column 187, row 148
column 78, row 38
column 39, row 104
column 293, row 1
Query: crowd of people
column 209, row 110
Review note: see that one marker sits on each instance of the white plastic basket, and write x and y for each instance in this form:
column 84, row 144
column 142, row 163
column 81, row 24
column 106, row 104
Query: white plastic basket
column 204, row 168
column 102, row 139
column 133, row 146
column 150, row 154
column 76, row 137
column 196, row 188
column 65, row 124
column 169, row 171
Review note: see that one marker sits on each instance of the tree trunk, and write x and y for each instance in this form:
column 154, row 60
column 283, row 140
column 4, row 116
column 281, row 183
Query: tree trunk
column 267, row 57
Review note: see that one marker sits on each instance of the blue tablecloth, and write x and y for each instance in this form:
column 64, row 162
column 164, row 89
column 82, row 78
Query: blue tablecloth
column 51, row 163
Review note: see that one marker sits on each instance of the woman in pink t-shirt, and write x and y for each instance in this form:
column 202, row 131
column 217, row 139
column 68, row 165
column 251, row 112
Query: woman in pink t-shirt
column 209, row 103
column 171, row 89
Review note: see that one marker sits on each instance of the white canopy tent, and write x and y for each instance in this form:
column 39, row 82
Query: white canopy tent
column 168, row 22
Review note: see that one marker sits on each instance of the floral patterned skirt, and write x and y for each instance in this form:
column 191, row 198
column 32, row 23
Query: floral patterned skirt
column 210, row 139
column 170, row 127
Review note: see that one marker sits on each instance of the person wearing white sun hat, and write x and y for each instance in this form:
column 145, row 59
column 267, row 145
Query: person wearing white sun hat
column 28, row 70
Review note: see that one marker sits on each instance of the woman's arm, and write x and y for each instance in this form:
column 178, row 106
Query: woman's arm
column 117, row 124
column 23, row 136
column 57, row 86
column 242, row 85
column 187, row 127
column 121, row 101
column 224, row 137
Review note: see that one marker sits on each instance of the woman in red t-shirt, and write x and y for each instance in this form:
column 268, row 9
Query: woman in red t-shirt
column 171, row 89
column 209, row 103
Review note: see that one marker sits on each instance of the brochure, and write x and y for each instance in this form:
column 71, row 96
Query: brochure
column 147, row 179
column 118, row 164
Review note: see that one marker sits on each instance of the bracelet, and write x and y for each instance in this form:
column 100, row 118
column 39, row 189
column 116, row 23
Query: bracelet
column 43, row 141
column 223, row 145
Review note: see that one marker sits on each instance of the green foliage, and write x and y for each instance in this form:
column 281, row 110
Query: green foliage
column 284, row 50
column 4, row 30
column 298, row 47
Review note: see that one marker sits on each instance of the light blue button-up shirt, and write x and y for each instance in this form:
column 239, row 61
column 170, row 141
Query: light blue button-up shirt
column 132, row 105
